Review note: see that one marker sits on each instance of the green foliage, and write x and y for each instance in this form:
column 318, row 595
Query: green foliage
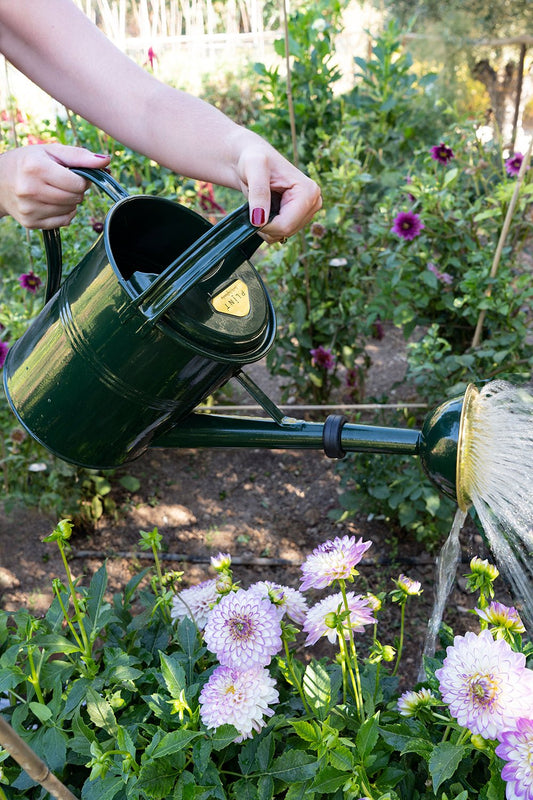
column 315, row 107
column 392, row 109
column 107, row 692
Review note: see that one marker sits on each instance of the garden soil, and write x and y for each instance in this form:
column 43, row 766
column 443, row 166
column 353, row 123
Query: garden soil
column 268, row 509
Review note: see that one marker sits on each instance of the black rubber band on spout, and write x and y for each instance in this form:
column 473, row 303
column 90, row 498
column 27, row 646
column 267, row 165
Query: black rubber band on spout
column 331, row 435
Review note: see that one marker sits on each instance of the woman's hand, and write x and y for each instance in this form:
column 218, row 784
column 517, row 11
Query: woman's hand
column 38, row 189
column 262, row 170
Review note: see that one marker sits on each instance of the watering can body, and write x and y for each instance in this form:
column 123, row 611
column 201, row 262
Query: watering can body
column 148, row 324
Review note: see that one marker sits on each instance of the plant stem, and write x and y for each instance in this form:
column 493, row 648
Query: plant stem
column 159, row 571
column 79, row 616
column 68, row 620
column 356, row 677
column 294, row 677
column 34, row 679
column 400, row 643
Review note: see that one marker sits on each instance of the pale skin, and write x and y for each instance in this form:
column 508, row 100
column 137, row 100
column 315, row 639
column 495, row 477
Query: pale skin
column 56, row 45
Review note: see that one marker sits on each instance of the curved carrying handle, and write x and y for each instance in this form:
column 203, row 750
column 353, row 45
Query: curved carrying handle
column 231, row 233
column 52, row 238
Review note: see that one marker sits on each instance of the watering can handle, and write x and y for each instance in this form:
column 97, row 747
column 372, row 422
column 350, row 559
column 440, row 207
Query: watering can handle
column 52, row 238
column 233, row 232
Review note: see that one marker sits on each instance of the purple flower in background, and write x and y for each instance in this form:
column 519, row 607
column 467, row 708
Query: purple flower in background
column 332, row 560
column 443, row 277
column 323, row 357
column 407, row 225
column 442, row 153
column 513, row 164
column 243, row 630
column 97, row 225
column 195, row 602
column 239, row 698
column 3, row 352
column 321, row 618
column 30, row 281
column 485, row 684
column 516, row 747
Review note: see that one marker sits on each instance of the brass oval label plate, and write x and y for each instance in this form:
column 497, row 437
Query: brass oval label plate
column 234, row 300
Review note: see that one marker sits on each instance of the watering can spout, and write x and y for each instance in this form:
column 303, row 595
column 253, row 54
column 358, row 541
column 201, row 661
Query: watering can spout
column 437, row 443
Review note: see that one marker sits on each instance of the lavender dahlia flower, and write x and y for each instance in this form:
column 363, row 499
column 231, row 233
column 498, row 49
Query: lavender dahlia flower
column 285, row 599
column 243, row 630
column 516, row 747
column 407, row 225
column 239, row 698
column 411, row 702
column 332, row 560
column 195, row 602
column 502, row 618
column 320, row 616
column 485, row 684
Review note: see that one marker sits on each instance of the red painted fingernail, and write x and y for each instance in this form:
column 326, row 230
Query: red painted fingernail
column 101, row 155
column 258, row 216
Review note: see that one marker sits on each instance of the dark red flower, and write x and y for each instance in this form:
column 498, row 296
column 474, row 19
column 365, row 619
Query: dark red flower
column 323, row 357
column 30, row 281
column 442, row 153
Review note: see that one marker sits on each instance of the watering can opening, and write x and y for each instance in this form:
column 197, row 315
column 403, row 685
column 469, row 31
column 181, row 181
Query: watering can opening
column 145, row 234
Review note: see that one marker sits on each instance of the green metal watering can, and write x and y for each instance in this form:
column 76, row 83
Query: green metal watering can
column 164, row 309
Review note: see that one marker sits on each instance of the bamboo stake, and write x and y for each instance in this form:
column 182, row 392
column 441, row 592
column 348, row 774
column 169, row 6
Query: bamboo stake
column 503, row 236
column 31, row 763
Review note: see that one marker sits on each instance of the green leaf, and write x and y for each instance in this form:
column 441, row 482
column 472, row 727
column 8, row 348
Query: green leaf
column 307, row 731
column 294, row 765
column 174, row 741
column 173, row 675
column 102, row 788
column 10, row 677
column 50, row 744
column 100, row 712
column 130, row 483
column 245, row 789
column 95, row 594
column 367, row 736
column 41, row 711
column 420, row 746
column 450, row 176
column 55, row 643
column 157, row 777
column 444, row 761
column 299, row 791
column 317, row 688
column 224, row 736
column 341, row 757
column 328, row 780
column 265, row 788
